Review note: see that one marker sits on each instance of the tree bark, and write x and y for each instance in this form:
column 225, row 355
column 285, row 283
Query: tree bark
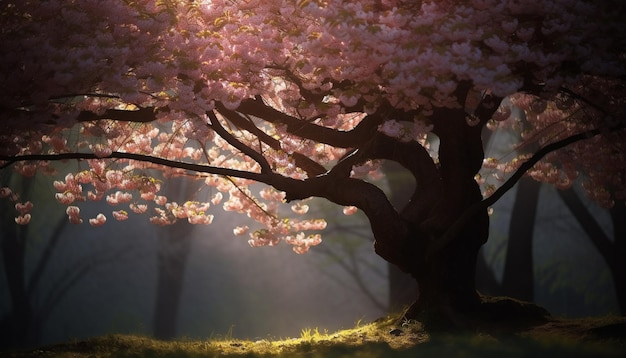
column 446, row 276
column 518, row 276
column 486, row 281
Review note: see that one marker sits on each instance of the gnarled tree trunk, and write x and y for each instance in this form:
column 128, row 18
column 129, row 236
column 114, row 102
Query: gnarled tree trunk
column 445, row 271
column 419, row 239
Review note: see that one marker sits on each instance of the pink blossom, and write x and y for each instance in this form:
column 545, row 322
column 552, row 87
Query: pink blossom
column 160, row 200
column 99, row 220
column 73, row 212
column 497, row 44
column 240, row 230
column 138, row 208
column 349, row 210
column 5, row 192
column 200, row 219
column 65, row 198
column 216, row 198
column 120, row 215
column 27, row 170
column 300, row 208
column 349, row 100
column 23, row 219
column 119, row 197
column 24, row 208
column 101, row 150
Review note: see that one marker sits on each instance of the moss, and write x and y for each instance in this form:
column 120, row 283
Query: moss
column 592, row 337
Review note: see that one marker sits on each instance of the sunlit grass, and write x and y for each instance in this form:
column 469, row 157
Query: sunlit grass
column 596, row 337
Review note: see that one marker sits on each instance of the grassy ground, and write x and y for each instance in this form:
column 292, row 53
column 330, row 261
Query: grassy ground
column 592, row 337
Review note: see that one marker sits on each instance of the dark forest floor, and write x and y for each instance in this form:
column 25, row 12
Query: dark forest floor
column 502, row 337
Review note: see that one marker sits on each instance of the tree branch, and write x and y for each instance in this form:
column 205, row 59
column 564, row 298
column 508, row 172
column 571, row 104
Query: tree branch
column 228, row 137
column 308, row 165
column 389, row 229
column 413, row 157
column 200, row 168
column 341, row 139
column 464, row 219
column 141, row 115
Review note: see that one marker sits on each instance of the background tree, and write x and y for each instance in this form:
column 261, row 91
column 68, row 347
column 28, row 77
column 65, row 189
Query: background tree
column 307, row 97
column 612, row 250
column 37, row 281
column 174, row 242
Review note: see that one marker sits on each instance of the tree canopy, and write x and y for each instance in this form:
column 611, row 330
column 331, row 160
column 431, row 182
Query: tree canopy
column 308, row 97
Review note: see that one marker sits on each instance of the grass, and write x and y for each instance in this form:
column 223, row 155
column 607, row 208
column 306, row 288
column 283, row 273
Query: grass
column 592, row 337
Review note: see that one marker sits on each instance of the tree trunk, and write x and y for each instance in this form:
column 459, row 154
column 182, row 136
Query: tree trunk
column 174, row 242
column 446, row 274
column 402, row 287
column 16, row 326
column 447, row 280
column 173, row 251
column 486, row 281
column 518, row 276
column 425, row 239
column 614, row 250
column 618, row 267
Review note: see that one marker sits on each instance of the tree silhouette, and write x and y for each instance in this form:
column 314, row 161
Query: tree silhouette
column 613, row 250
column 35, row 289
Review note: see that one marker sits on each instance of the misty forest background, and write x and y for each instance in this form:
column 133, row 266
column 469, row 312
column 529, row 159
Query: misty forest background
column 202, row 281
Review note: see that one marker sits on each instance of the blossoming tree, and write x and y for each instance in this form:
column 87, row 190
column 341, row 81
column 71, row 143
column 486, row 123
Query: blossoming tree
column 309, row 97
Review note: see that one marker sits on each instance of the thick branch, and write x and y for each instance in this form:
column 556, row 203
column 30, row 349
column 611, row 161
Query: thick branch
column 413, row 157
column 141, row 115
column 387, row 226
column 341, row 139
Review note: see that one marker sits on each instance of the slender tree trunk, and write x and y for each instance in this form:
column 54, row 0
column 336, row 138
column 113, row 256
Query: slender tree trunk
column 16, row 327
column 618, row 215
column 518, row 276
column 614, row 250
column 174, row 242
column 173, row 251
